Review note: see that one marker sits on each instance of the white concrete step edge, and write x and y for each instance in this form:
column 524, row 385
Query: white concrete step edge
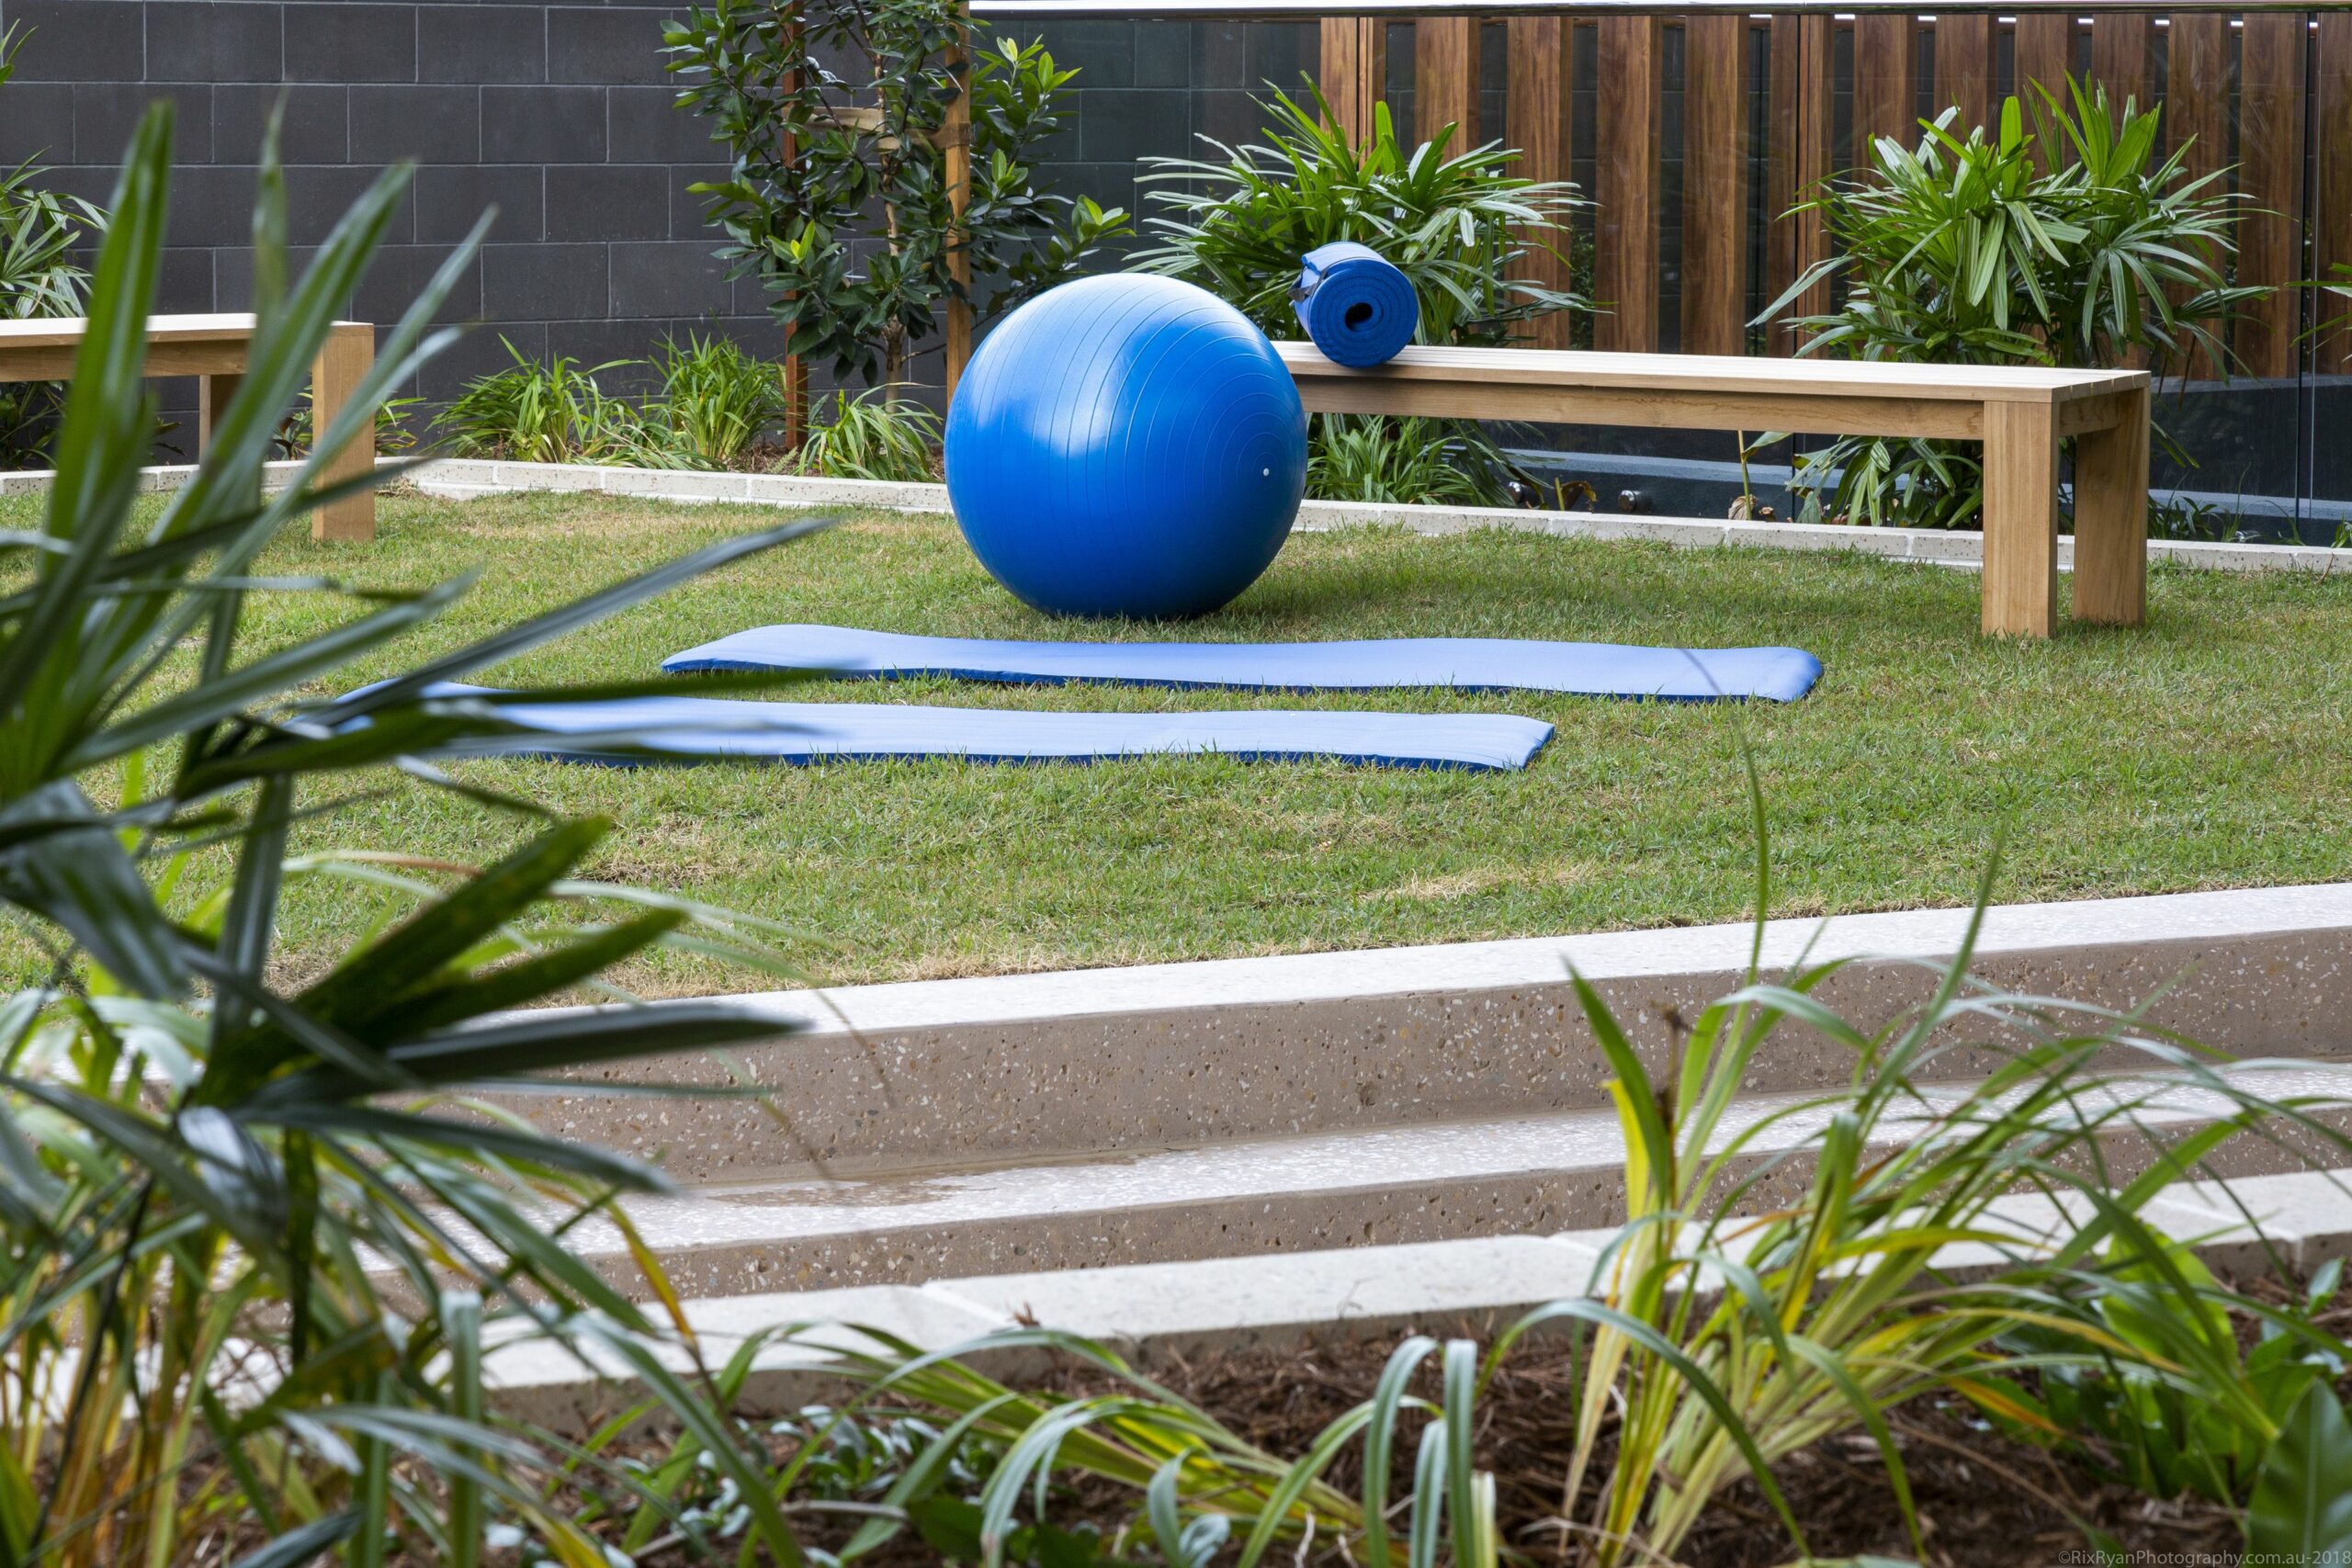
column 461, row 479
column 1155, row 1311
column 1497, row 965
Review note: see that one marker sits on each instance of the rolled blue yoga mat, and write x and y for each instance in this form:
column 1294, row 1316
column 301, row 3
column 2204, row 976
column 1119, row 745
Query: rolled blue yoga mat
column 1357, row 307
column 1476, row 664
column 709, row 729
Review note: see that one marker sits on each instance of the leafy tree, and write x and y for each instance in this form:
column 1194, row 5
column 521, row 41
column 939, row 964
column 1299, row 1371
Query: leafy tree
column 854, row 233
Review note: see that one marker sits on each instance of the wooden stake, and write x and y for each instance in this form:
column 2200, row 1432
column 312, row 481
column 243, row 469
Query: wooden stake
column 955, row 136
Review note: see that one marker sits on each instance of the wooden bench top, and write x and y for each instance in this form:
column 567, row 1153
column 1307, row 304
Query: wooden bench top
column 1721, row 373
column 65, row 331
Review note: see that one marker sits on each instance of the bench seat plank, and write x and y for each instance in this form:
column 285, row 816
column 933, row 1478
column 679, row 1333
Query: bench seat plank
column 1721, row 373
column 66, row 331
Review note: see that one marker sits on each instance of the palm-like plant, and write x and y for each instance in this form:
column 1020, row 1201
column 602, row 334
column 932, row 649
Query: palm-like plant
column 1458, row 227
column 875, row 434
column 40, row 272
column 40, row 231
column 1961, row 250
column 250, row 1269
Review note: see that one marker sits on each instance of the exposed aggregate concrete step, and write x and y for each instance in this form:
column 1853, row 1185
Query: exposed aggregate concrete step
column 1159, row 1312
column 1031, row 1068
column 1515, row 1175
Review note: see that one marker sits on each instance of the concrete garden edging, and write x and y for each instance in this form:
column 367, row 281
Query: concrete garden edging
column 466, row 478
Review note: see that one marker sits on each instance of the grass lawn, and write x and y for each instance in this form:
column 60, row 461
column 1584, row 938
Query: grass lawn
column 2208, row 750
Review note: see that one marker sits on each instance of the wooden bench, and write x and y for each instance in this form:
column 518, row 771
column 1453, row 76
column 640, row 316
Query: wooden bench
column 2018, row 414
column 213, row 349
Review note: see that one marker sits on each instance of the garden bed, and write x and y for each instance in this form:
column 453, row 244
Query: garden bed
column 2204, row 751
column 1984, row 1499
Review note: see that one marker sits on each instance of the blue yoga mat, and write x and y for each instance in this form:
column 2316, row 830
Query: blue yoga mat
column 1476, row 664
column 700, row 729
column 1357, row 307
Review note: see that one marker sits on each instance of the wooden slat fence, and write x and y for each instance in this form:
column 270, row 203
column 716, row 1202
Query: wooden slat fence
column 2249, row 90
column 2268, row 94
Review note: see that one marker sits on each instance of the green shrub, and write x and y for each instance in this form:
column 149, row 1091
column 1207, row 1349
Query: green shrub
column 854, row 234
column 1962, row 251
column 1371, row 458
column 2165, row 1435
column 252, row 1262
column 714, row 403
column 871, row 435
column 711, row 403
column 554, row 413
column 395, row 428
column 1458, row 227
column 41, row 234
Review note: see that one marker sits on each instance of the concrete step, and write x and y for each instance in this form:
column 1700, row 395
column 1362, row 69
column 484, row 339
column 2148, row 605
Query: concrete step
column 1163, row 1312
column 1440, row 1180
column 1035, row 1068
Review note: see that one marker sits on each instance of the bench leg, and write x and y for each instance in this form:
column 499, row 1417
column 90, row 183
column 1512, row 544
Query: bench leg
column 212, row 395
column 2112, row 519
column 344, row 360
column 2020, row 519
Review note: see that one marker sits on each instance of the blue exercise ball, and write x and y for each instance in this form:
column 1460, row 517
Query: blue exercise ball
column 1126, row 445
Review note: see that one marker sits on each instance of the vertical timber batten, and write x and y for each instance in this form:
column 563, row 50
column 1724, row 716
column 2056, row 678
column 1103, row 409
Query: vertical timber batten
column 2332, row 216
column 1445, row 79
column 1714, row 184
column 1538, row 121
column 2270, row 172
column 1625, row 181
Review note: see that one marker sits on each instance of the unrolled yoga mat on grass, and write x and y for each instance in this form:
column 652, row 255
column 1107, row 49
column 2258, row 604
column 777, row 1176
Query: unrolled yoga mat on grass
column 1474, row 664
column 707, row 729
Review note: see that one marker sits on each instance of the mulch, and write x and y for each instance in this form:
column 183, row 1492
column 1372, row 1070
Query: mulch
column 1983, row 1500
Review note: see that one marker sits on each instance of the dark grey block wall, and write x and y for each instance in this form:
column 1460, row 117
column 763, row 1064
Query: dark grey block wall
column 1147, row 89
column 558, row 115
